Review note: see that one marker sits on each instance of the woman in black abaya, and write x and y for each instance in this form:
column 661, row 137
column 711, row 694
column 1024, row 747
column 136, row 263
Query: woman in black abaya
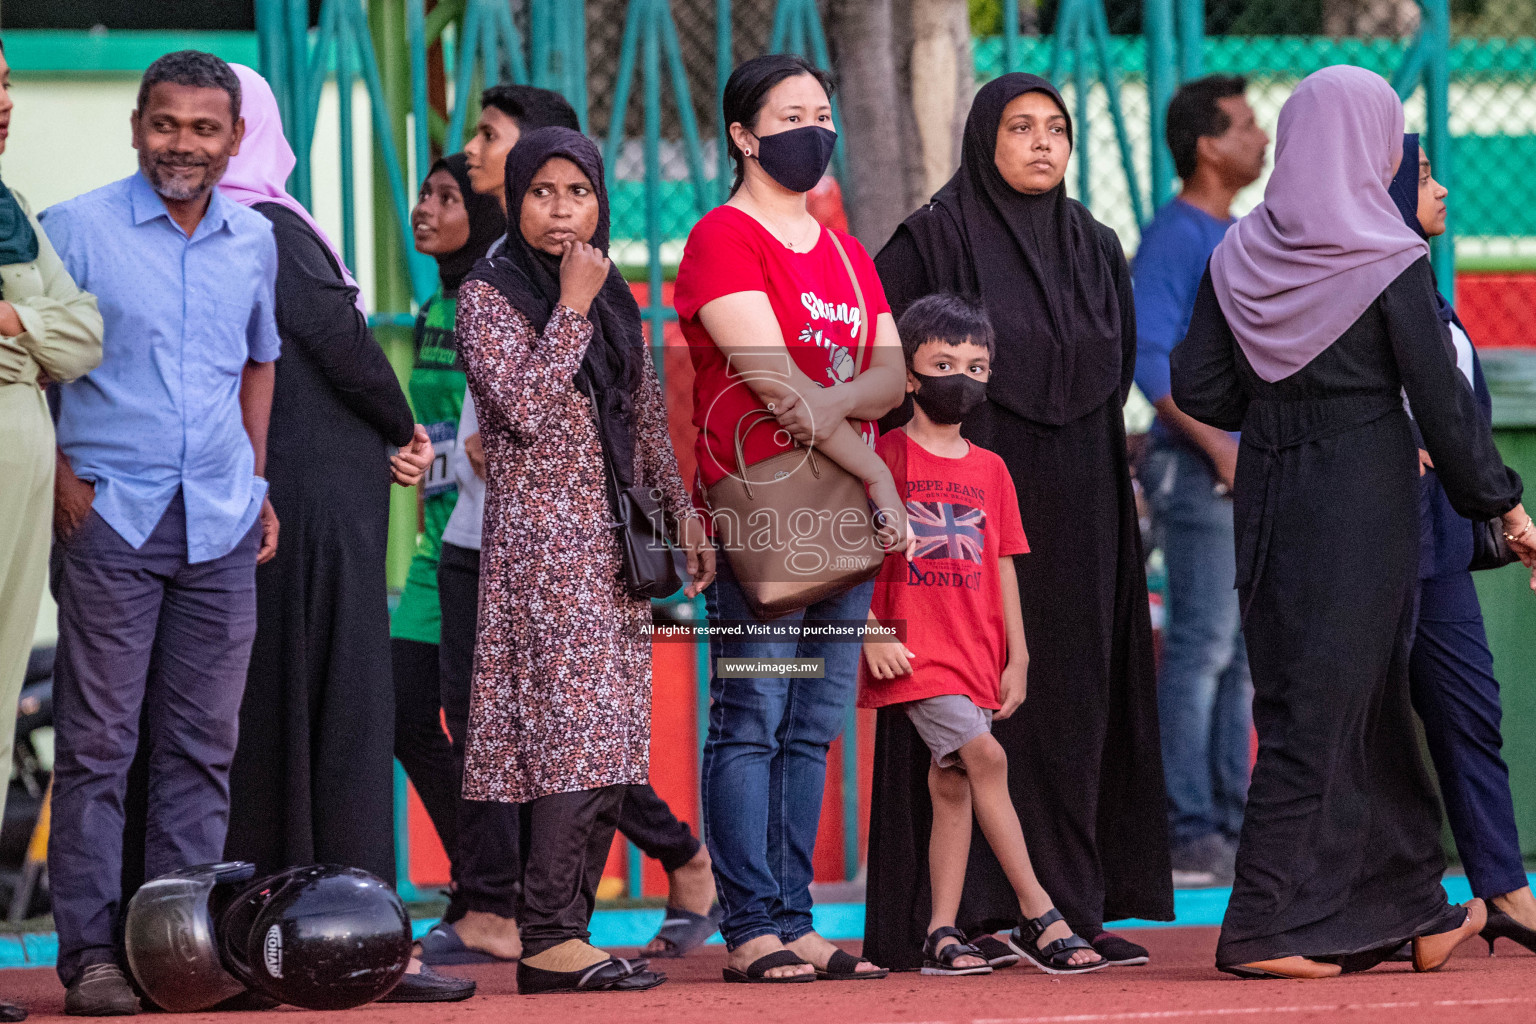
column 1316, row 317
column 1083, row 754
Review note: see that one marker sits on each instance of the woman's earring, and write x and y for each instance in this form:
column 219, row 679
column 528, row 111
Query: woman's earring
column 746, row 152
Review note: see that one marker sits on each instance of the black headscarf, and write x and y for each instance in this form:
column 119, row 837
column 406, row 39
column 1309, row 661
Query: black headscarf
column 1042, row 266
column 486, row 223
column 1404, row 191
column 530, row 279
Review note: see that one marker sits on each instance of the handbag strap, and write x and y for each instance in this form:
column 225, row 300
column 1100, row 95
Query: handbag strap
column 743, row 427
column 756, row 416
column 610, row 478
column 858, row 296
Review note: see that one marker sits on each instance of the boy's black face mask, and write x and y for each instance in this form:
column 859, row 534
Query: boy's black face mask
column 948, row 398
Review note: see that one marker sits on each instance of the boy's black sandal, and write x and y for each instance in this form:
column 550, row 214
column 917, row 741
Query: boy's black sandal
column 995, row 951
column 1056, row 956
column 940, row 960
column 757, row 971
column 845, row 967
column 615, row 974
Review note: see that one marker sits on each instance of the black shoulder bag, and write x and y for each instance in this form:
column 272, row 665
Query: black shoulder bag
column 1489, row 548
column 650, row 567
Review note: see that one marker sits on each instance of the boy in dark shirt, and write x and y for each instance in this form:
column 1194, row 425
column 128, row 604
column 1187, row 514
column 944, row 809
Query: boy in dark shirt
column 964, row 661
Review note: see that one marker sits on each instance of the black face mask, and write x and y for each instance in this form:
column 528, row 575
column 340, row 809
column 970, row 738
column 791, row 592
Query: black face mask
column 947, row 399
column 797, row 158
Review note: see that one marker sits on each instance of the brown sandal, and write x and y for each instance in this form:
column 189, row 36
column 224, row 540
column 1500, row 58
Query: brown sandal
column 1294, row 967
column 1430, row 952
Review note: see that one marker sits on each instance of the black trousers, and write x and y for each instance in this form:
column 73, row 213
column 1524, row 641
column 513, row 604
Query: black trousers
column 486, row 858
column 421, row 746
column 568, row 839
column 647, row 821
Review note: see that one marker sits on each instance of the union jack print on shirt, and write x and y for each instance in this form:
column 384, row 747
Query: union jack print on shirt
column 947, row 531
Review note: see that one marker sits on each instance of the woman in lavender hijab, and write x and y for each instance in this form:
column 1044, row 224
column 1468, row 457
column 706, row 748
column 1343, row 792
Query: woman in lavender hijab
column 1317, row 313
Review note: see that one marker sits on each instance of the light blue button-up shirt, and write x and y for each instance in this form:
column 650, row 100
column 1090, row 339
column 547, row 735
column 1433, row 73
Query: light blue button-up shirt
column 183, row 315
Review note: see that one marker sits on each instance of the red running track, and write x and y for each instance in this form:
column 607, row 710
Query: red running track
column 1178, row 987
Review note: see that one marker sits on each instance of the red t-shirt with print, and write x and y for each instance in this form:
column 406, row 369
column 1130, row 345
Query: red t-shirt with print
column 813, row 300
column 965, row 514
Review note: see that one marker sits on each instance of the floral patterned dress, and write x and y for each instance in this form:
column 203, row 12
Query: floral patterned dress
column 561, row 692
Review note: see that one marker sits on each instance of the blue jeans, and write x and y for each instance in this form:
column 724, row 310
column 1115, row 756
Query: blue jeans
column 765, row 763
column 1204, row 691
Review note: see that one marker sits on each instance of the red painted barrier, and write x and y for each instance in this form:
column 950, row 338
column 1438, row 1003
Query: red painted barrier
column 1499, row 310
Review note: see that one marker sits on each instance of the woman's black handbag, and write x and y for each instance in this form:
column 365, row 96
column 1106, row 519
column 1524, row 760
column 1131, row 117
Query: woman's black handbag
column 650, row 567
column 1489, row 548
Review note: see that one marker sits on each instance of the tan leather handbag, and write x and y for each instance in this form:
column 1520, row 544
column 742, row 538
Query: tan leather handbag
column 797, row 527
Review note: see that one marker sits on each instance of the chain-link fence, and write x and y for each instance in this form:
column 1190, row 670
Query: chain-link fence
column 696, row 27
column 1275, row 43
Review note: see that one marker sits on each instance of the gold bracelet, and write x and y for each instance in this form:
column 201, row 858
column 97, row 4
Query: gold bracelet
column 1512, row 537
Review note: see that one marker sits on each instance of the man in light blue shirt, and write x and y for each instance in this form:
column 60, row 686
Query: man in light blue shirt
column 1204, row 691
column 160, row 509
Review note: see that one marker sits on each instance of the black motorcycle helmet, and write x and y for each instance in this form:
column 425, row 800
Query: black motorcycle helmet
column 169, row 932
column 323, row 937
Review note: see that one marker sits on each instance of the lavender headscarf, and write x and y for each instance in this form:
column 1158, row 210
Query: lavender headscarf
column 259, row 172
column 1295, row 273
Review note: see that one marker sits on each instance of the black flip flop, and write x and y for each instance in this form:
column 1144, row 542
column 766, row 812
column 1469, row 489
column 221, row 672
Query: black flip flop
column 757, row 971
column 442, row 947
column 845, row 967
column 684, row 931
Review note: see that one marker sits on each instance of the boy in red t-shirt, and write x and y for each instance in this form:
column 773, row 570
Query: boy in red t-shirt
column 964, row 661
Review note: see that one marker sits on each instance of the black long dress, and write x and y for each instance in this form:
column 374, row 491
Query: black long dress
column 312, row 779
column 1340, row 852
column 1084, row 763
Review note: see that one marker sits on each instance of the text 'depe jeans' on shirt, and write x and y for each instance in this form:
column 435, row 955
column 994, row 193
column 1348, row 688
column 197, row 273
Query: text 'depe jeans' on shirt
column 182, row 316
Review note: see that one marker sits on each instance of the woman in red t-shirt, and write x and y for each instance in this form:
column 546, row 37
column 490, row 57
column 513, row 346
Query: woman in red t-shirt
column 772, row 321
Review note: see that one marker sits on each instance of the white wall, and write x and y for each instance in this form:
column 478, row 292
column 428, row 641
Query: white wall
column 68, row 137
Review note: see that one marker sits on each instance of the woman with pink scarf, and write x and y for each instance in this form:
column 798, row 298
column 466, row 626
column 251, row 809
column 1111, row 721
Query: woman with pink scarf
column 1316, row 317
column 312, row 780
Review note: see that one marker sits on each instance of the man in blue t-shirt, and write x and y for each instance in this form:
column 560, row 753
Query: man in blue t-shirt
column 1204, row 690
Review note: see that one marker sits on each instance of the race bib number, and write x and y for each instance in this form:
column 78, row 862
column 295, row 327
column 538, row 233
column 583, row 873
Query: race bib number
column 439, row 479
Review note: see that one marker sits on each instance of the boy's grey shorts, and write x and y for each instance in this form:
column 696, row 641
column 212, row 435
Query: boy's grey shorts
column 946, row 723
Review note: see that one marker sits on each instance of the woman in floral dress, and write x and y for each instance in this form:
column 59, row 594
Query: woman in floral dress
column 561, row 708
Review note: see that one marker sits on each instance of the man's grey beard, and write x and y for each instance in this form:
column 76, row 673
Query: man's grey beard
column 176, row 191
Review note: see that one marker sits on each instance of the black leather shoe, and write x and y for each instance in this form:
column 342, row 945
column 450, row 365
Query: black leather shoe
column 10, row 1012
column 430, row 987
column 1501, row 926
column 100, row 990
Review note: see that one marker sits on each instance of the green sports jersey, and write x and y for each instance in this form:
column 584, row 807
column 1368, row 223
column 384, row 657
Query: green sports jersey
column 436, row 387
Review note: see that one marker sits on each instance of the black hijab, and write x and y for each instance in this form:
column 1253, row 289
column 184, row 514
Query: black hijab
column 1404, row 191
column 530, row 279
column 486, row 223
column 1043, row 267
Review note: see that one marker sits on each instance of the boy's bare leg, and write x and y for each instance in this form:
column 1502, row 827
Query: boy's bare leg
column 986, row 768
column 949, row 847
